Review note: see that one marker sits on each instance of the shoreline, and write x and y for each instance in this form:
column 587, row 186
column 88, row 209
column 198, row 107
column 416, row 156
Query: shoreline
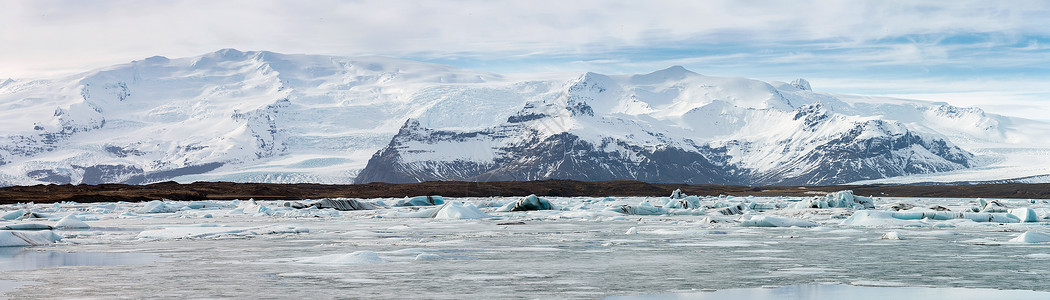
column 555, row 187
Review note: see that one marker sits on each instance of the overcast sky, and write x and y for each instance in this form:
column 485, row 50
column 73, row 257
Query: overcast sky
column 991, row 54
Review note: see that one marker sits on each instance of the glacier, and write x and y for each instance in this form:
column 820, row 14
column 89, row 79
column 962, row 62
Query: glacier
column 259, row 116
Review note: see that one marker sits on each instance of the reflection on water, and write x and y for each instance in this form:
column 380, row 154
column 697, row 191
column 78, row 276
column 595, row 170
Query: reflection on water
column 830, row 292
column 17, row 258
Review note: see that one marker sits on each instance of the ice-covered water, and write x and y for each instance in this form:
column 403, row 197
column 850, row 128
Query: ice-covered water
column 838, row 292
column 583, row 248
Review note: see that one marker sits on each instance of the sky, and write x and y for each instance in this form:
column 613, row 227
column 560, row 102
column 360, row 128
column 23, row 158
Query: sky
column 990, row 54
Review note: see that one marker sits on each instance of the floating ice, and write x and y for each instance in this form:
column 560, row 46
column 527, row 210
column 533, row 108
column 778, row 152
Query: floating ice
column 422, row 201
column 840, row 199
column 688, row 202
column 27, row 226
column 1024, row 214
column 737, row 209
column 14, row 215
column 454, row 210
column 528, row 203
column 354, row 258
column 1032, row 237
column 157, row 206
column 214, row 230
column 632, row 230
column 16, row 238
column 886, row 218
column 774, row 221
column 643, row 208
column 344, row 204
column 428, row 256
column 992, row 206
column 892, row 235
column 71, row 221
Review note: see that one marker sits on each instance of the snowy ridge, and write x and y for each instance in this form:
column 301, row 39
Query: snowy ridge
column 260, row 116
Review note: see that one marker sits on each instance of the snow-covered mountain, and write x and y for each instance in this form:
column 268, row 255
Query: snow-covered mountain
column 269, row 117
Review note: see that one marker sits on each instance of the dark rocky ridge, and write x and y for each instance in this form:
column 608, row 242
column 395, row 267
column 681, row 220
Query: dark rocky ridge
column 228, row 190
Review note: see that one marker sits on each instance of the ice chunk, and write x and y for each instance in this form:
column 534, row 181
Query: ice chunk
column 993, row 207
column 354, row 258
column 27, row 226
column 156, row 207
column 730, row 210
column 214, row 231
column 1024, row 214
column 677, row 194
column 12, row 238
column 71, row 221
column 13, row 215
column 422, row 201
column 1032, row 237
column 774, row 221
column 428, row 256
column 643, row 208
column 632, row 230
column 886, row 218
column 528, row 203
column 457, row 210
column 892, row 235
column 294, row 204
column 344, row 204
column 689, row 202
column 840, row 199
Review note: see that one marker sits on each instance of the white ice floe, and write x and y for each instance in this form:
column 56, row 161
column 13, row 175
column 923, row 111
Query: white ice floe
column 774, row 221
column 428, row 256
column 459, row 210
column 892, row 235
column 1024, row 214
column 840, row 199
column 421, row 201
column 158, row 206
column 1032, row 237
column 71, row 221
column 532, row 202
column 215, row 230
column 21, row 238
column 353, row 258
column 908, row 218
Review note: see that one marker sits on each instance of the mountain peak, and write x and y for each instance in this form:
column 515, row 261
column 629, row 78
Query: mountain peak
column 802, row 84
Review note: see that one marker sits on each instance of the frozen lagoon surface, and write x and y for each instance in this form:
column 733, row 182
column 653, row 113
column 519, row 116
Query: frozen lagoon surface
column 585, row 248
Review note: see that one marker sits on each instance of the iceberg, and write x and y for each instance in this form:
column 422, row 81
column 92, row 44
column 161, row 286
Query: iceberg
column 643, row 208
column 840, row 199
column 156, row 207
column 14, row 215
column 1032, row 237
column 71, row 221
column 12, row 238
column 773, row 221
column 344, row 204
column 892, row 235
column 689, row 202
column 1024, row 214
column 737, row 209
column 887, row 218
column 456, row 210
column 26, row 226
column 353, row 258
column 422, row 201
column 528, row 203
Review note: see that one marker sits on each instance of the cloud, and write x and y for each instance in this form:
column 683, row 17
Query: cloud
column 864, row 41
